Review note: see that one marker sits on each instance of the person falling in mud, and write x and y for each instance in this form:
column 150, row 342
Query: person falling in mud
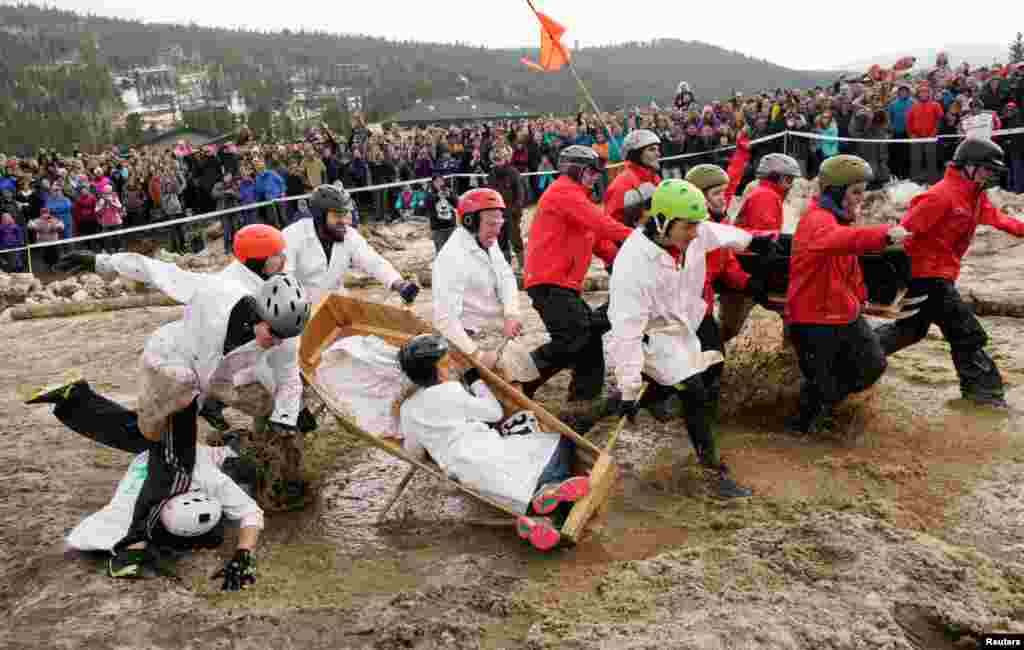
column 515, row 464
column 216, row 349
column 839, row 354
column 943, row 221
column 661, row 326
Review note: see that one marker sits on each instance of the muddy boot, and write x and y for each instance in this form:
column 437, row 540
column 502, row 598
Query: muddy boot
column 582, row 415
column 811, row 417
column 725, row 487
column 980, row 380
column 666, row 409
column 57, row 394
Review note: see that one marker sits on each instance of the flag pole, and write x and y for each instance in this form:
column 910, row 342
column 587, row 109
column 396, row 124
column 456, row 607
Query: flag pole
column 572, row 68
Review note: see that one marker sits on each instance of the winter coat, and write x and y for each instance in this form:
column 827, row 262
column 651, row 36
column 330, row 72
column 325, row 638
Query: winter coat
column 320, row 275
column 358, row 173
column 826, row 285
column 196, row 343
column 828, row 148
column 269, row 185
column 47, row 229
column 440, row 208
column 923, row 119
column 650, row 292
column 226, row 195
column 762, row 210
column 724, row 271
column 563, row 234
column 631, row 177
column 876, row 155
column 84, row 210
column 170, row 188
column 315, row 171
column 60, row 207
column 109, row 211
column 474, row 289
column 943, row 221
column 898, row 111
column 11, row 236
column 423, row 168
column 452, row 425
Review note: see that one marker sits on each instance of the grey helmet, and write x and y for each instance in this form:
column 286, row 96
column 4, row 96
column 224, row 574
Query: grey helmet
column 575, row 158
column 638, row 140
column 331, row 197
column 284, row 305
column 778, row 164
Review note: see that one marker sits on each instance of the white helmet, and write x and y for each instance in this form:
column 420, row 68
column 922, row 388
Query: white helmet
column 639, row 196
column 519, row 424
column 637, row 140
column 778, row 164
column 190, row 514
column 283, row 304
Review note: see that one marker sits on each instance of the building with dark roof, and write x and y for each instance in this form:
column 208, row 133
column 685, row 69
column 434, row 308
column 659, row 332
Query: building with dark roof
column 459, row 110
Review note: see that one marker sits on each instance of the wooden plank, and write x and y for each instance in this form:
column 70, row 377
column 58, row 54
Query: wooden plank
column 396, row 494
column 601, row 480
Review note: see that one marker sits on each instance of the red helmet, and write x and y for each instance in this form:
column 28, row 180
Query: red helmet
column 258, row 242
column 476, row 200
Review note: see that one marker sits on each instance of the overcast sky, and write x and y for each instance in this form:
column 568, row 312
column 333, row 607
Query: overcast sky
column 803, row 35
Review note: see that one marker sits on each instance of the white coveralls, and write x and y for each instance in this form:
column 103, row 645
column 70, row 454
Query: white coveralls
column 449, row 423
column 650, row 293
column 101, row 530
column 308, row 262
column 277, row 369
column 473, row 290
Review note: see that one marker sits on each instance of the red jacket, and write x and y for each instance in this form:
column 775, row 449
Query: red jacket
column 943, row 221
column 723, row 266
column 763, row 208
column 826, row 286
column 631, row 177
column 923, row 119
column 84, row 210
column 737, row 165
column 563, row 233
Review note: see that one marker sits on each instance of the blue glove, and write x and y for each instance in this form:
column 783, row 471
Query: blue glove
column 408, row 291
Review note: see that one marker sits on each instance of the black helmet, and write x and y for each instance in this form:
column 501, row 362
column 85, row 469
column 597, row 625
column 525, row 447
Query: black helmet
column 418, row 358
column 980, row 152
column 331, row 197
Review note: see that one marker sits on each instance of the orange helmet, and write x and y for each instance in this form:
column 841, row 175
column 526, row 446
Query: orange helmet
column 475, row 201
column 258, row 242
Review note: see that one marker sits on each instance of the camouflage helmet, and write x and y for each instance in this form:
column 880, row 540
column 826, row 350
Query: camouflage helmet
column 707, row 176
column 844, row 170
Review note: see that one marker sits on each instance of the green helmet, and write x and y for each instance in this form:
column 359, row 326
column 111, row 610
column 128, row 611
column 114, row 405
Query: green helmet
column 677, row 199
column 844, row 170
column 707, row 176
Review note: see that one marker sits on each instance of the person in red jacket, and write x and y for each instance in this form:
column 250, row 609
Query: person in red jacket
column 723, row 269
column 762, row 210
column 84, row 214
column 923, row 122
column 641, row 149
column 943, row 221
column 562, row 241
column 838, row 352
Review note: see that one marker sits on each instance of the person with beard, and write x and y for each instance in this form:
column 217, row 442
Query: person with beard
column 943, row 221
column 440, row 209
column 838, row 352
column 642, row 149
column 322, row 250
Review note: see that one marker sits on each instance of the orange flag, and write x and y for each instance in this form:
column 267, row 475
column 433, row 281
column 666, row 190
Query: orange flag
column 553, row 55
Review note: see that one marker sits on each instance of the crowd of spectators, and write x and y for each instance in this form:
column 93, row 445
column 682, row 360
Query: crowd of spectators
column 51, row 196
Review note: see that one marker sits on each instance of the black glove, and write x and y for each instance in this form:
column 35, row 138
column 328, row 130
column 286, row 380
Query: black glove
column 695, row 389
column 306, row 422
column 76, row 262
column 764, row 245
column 239, row 572
column 629, row 409
column 408, row 291
column 278, row 428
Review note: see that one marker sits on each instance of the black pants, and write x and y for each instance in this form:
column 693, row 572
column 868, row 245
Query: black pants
column 701, row 416
column 171, row 461
column 575, row 331
column 979, row 377
column 836, row 361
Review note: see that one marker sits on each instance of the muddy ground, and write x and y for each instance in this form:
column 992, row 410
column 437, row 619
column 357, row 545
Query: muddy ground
column 904, row 528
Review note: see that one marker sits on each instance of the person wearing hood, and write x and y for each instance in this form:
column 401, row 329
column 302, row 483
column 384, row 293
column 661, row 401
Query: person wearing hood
column 322, row 250
column 838, row 352
column 642, row 149
column 662, row 330
column 942, row 222
column 215, row 351
column 762, row 210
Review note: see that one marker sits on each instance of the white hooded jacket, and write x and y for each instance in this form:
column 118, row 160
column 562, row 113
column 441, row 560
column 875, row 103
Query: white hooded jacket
column 277, row 369
column 308, row 261
column 650, row 293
